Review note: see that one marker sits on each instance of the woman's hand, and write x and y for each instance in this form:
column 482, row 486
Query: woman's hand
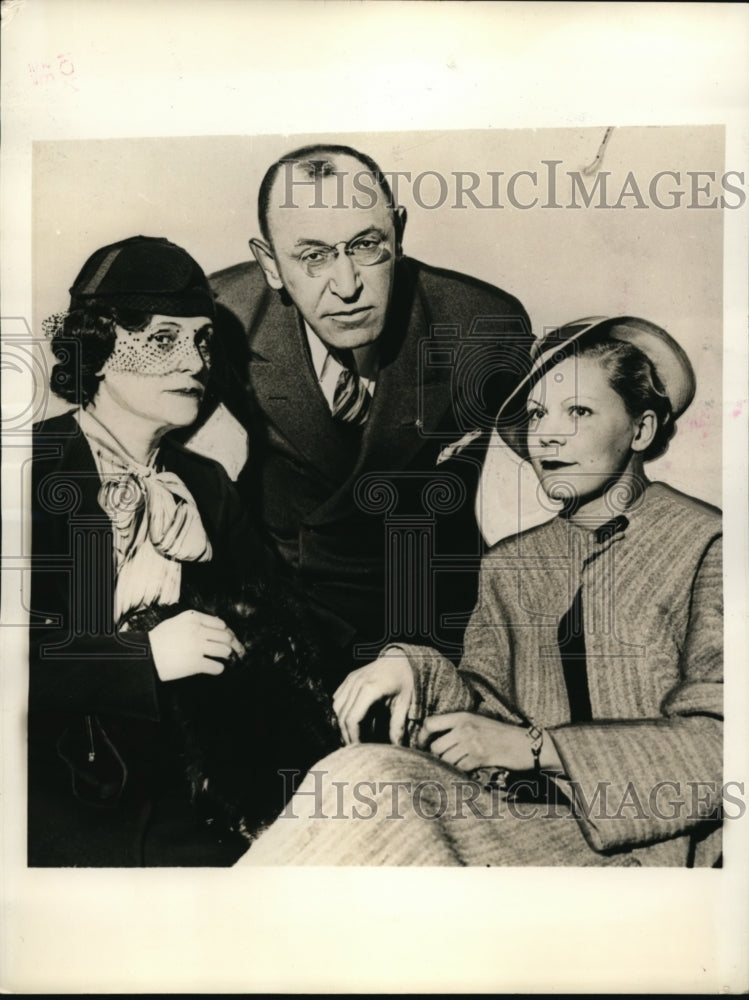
column 192, row 643
column 388, row 679
column 468, row 741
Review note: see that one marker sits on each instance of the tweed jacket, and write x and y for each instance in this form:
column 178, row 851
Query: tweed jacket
column 89, row 682
column 382, row 536
column 652, row 608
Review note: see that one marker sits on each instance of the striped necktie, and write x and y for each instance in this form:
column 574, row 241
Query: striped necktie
column 351, row 399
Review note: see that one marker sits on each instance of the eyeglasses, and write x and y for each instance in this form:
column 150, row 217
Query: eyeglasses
column 365, row 250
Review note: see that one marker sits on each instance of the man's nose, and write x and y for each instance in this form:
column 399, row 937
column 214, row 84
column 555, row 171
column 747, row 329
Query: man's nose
column 344, row 275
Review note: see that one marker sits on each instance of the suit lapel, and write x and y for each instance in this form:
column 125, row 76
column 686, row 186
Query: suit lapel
column 410, row 399
column 72, row 535
column 77, row 463
column 284, row 383
column 411, row 395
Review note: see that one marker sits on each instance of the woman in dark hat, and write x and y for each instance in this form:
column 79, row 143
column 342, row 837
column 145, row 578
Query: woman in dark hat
column 137, row 541
column 584, row 726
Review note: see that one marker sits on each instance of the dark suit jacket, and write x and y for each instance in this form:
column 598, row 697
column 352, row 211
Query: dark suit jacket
column 382, row 538
column 89, row 684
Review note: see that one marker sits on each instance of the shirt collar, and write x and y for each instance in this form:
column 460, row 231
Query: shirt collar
column 318, row 351
column 322, row 358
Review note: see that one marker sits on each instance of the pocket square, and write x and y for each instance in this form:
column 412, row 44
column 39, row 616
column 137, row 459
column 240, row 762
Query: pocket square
column 457, row 446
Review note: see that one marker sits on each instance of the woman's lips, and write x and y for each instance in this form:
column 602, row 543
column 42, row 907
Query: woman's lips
column 551, row 465
column 195, row 391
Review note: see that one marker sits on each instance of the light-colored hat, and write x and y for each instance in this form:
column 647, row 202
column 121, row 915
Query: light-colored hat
column 668, row 359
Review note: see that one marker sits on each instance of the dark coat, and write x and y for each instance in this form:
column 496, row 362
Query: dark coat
column 92, row 688
column 384, row 540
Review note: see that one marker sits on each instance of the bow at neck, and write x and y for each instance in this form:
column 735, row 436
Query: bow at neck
column 142, row 501
column 156, row 522
column 157, row 505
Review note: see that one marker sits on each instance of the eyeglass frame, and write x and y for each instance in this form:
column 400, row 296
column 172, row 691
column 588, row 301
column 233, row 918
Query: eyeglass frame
column 349, row 249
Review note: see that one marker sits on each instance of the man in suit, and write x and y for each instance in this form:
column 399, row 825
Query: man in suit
column 373, row 381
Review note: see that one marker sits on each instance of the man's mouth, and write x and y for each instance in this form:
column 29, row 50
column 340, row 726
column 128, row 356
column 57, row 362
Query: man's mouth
column 349, row 313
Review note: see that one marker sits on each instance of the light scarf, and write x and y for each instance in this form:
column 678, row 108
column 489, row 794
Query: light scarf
column 155, row 520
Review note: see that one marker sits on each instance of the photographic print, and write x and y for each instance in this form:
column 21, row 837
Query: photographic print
column 372, row 523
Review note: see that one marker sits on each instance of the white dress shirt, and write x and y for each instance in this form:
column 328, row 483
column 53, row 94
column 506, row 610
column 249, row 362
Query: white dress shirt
column 327, row 368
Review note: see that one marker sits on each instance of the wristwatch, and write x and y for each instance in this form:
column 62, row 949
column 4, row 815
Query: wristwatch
column 536, row 736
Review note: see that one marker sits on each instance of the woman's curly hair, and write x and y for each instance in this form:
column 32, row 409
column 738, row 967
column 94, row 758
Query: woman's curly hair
column 83, row 342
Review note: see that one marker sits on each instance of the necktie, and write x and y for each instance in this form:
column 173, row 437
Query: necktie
column 351, row 400
column 571, row 639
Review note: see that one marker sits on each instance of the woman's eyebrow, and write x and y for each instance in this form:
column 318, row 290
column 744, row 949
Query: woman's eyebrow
column 578, row 396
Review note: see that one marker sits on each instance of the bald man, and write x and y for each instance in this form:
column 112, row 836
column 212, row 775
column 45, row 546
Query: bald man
column 373, row 381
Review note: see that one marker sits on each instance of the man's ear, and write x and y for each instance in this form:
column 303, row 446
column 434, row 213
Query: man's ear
column 264, row 257
column 645, row 431
column 399, row 221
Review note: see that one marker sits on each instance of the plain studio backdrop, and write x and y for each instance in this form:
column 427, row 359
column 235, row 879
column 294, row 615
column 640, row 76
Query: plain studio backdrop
column 650, row 244
column 239, row 74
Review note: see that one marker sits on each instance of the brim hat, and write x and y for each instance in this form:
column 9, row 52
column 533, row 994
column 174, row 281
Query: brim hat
column 147, row 273
column 669, row 361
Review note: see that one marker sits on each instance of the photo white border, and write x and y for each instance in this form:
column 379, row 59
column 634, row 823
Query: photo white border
column 257, row 68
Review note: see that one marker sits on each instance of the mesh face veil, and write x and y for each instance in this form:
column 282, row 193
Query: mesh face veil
column 166, row 345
